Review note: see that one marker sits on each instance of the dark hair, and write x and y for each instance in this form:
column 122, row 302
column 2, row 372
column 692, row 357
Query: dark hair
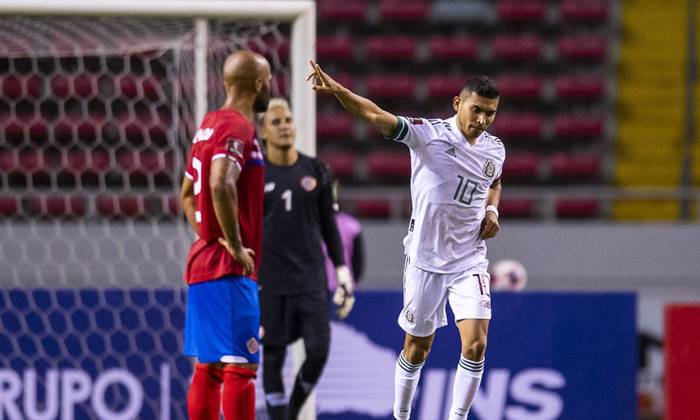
column 482, row 86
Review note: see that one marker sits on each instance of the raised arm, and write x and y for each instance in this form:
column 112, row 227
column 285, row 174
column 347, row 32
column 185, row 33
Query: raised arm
column 358, row 106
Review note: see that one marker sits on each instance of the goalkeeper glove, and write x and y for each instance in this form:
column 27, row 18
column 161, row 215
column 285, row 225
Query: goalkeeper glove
column 343, row 296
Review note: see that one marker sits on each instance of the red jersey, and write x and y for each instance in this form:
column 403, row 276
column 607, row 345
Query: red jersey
column 225, row 134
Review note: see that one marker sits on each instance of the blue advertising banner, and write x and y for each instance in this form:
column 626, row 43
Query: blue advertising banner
column 549, row 356
column 116, row 354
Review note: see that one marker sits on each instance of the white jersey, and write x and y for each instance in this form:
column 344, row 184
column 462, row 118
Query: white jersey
column 450, row 180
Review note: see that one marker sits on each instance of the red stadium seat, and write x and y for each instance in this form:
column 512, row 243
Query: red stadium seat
column 574, row 166
column 389, row 164
column 24, row 86
column 520, row 86
column 517, row 207
column 342, row 10
column 8, row 206
column 404, row 10
column 577, row 208
column 574, row 126
column 583, row 48
column 373, row 208
column 460, row 47
column 391, row 85
column 124, row 206
column 523, row 166
column 341, row 163
column 7, row 161
column 145, row 162
column 518, row 125
column 522, row 11
column 58, row 206
column 345, row 79
column 337, row 47
column 135, row 86
column 387, row 47
column 517, row 47
column 580, row 87
column 334, row 125
column 585, row 11
column 445, row 86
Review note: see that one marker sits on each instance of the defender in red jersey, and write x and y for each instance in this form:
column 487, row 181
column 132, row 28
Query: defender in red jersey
column 222, row 197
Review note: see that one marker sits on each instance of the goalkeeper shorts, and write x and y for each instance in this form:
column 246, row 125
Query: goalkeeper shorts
column 222, row 321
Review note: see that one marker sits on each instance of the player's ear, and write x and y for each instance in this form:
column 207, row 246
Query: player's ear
column 456, row 101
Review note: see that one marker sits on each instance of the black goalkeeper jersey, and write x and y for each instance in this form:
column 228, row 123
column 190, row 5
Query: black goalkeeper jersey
column 298, row 214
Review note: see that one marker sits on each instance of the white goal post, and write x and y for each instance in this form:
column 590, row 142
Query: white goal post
column 301, row 13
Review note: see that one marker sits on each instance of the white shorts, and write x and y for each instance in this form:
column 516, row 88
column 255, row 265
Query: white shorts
column 425, row 295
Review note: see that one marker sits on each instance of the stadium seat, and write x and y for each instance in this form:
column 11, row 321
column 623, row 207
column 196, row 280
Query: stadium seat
column 517, row 47
column 147, row 161
column 80, row 85
column 25, row 86
column 522, row 167
column 389, row 165
column 120, row 206
column 596, row 11
column 518, row 125
column 8, row 206
column 58, row 206
column 334, row 125
column 342, row 10
column 580, row 87
column 133, row 87
column 578, row 167
column 578, row 127
column 517, row 208
column 520, row 86
column 391, row 47
column 391, row 85
column 341, row 163
column 521, row 11
column 373, row 208
column 81, row 161
column 461, row 47
column 13, row 126
column 583, row 48
column 577, row 208
column 404, row 10
column 445, row 86
column 334, row 47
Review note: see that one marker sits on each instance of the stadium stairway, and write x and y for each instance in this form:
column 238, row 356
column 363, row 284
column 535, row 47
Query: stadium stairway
column 651, row 119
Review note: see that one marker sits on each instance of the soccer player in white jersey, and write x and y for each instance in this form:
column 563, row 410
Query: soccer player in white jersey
column 455, row 189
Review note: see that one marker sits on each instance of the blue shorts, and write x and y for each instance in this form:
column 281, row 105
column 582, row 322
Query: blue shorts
column 223, row 321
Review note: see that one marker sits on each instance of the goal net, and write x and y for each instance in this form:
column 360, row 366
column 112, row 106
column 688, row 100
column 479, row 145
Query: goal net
column 96, row 117
column 97, row 113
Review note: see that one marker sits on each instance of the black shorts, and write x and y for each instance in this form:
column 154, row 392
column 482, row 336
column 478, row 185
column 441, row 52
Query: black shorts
column 285, row 319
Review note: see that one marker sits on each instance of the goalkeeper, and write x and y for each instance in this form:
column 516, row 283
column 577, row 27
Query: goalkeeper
column 298, row 213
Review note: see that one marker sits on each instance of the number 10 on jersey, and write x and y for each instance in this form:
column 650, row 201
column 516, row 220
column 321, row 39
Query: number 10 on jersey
column 465, row 190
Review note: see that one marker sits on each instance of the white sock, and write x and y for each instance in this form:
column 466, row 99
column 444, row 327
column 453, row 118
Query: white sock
column 466, row 384
column 405, row 382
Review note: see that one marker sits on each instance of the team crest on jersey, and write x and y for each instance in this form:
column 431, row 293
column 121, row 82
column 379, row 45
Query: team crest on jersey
column 235, row 147
column 489, row 169
column 308, row 183
column 252, row 345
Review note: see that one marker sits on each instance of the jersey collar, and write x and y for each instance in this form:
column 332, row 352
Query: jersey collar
column 455, row 129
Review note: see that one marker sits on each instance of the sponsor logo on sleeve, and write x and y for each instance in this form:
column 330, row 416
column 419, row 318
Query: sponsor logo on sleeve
column 415, row 121
column 203, row 134
column 235, row 147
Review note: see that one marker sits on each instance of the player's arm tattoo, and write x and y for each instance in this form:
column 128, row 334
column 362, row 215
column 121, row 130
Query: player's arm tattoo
column 222, row 182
